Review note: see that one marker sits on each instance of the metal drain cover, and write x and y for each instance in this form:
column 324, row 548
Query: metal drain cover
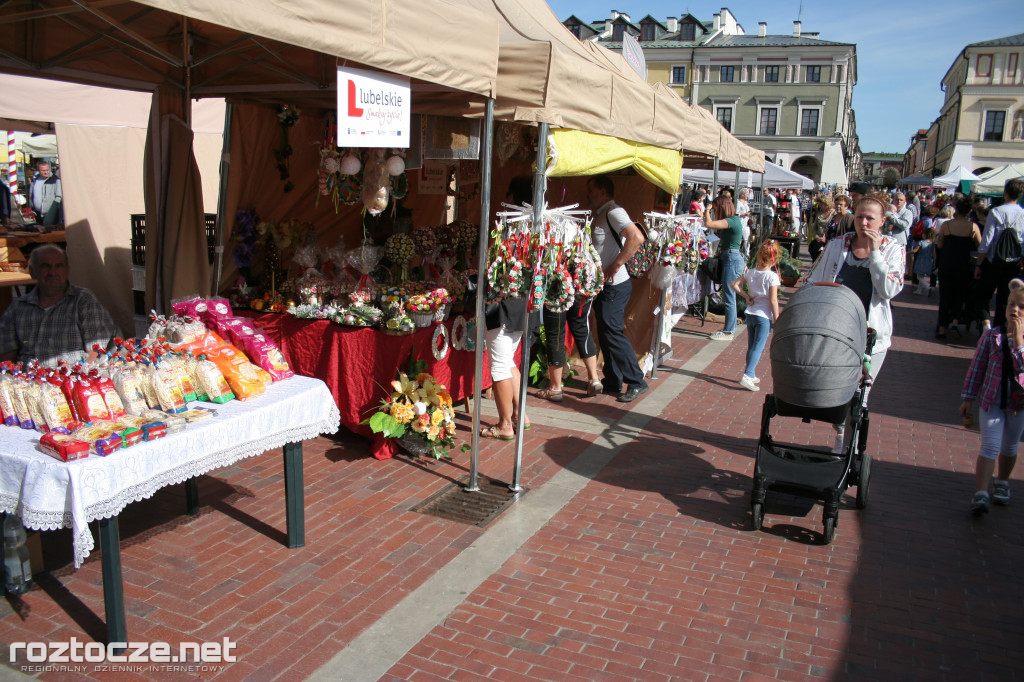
column 479, row 508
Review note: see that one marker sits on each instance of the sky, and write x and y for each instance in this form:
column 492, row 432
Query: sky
column 903, row 48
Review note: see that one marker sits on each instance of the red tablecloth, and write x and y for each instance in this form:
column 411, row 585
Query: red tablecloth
column 358, row 365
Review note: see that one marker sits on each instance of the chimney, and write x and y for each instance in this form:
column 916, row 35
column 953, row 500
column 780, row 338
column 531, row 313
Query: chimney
column 796, row 29
column 615, row 14
column 672, row 24
column 762, row 29
column 718, row 22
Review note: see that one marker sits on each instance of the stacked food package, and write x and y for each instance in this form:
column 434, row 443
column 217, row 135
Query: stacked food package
column 140, row 390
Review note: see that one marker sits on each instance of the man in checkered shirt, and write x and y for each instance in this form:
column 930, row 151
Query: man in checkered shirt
column 56, row 320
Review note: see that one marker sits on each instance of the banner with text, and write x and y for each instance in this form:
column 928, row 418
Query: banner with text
column 373, row 109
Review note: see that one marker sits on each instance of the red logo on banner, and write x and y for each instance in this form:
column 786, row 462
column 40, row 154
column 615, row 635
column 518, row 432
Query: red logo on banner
column 353, row 110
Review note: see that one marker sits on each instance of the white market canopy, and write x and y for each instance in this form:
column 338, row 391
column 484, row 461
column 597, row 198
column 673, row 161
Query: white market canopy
column 954, row 177
column 774, row 176
column 993, row 181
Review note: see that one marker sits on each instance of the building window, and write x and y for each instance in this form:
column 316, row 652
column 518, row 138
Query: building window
column 574, row 29
column 809, row 122
column 984, row 69
column 724, row 116
column 687, row 32
column 1011, row 66
column 727, row 74
column 771, row 74
column 617, row 31
column 678, row 75
column 994, row 123
column 813, row 74
column 647, row 31
column 769, row 121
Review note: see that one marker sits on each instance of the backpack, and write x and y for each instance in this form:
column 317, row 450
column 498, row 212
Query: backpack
column 917, row 232
column 1008, row 247
column 641, row 261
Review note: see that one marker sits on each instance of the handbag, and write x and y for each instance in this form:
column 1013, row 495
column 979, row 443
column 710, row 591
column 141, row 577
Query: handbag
column 711, row 267
column 643, row 260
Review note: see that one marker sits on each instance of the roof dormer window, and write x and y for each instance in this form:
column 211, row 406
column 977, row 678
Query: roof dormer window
column 617, row 31
column 687, row 31
column 647, row 31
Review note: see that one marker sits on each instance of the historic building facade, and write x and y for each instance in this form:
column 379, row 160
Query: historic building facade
column 790, row 95
column 981, row 123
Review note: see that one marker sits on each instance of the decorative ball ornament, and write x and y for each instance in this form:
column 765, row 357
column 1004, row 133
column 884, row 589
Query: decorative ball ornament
column 395, row 165
column 331, row 164
column 350, row 165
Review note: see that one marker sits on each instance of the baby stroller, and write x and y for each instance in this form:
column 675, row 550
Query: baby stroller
column 817, row 354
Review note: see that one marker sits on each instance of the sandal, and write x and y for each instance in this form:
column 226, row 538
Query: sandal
column 492, row 432
column 594, row 388
column 551, row 394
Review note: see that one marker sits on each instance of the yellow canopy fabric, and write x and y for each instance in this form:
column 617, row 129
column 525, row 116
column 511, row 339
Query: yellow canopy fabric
column 574, row 152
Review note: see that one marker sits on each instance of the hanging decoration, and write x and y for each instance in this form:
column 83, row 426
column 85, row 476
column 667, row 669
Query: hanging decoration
column 288, row 116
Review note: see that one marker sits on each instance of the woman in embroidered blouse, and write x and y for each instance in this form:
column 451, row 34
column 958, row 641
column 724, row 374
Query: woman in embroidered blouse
column 1002, row 404
column 873, row 266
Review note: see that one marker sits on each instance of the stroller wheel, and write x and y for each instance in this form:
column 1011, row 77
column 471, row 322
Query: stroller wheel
column 830, row 529
column 756, row 515
column 863, row 481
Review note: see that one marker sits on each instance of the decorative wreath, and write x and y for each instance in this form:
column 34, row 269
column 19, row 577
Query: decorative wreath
column 460, row 331
column 561, row 291
column 504, row 278
column 470, row 343
column 440, row 353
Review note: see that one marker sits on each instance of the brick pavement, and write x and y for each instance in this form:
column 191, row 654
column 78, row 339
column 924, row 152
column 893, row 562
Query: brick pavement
column 649, row 572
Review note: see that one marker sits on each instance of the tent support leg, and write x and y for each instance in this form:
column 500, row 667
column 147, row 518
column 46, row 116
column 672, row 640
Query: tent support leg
column 481, row 292
column 222, row 204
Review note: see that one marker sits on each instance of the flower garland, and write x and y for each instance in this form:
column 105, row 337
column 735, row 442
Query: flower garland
column 442, row 332
column 561, row 292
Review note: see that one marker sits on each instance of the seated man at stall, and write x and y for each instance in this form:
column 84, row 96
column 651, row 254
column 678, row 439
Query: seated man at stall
column 56, row 320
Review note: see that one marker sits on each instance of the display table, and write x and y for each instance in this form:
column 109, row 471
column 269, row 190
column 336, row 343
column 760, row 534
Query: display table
column 49, row 494
column 359, row 364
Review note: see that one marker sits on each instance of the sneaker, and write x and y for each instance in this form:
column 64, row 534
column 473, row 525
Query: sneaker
column 721, row 336
column 979, row 503
column 755, row 380
column 837, row 448
column 1001, row 492
column 748, row 383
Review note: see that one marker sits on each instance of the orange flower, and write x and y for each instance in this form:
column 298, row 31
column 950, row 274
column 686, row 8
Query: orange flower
column 402, row 412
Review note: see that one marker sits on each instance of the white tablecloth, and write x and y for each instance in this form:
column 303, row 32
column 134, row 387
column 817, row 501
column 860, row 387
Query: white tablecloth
column 50, row 494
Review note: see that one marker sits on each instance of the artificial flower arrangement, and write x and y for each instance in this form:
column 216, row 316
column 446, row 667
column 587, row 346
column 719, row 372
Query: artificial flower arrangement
column 421, row 303
column 419, row 411
column 440, row 296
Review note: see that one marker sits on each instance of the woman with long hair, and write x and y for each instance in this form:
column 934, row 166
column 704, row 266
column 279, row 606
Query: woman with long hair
column 730, row 231
column 957, row 238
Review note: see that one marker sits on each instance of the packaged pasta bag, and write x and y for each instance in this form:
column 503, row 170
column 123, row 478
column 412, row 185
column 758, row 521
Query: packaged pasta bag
column 33, row 395
column 101, row 441
column 63, row 447
column 129, row 433
column 128, row 381
column 18, row 398
column 55, row 408
column 188, row 305
column 167, row 389
column 89, row 402
column 265, row 353
column 151, row 429
column 6, row 401
column 238, row 372
column 209, row 311
column 211, row 381
column 176, row 366
column 173, row 422
column 110, row 395
column 206, row 341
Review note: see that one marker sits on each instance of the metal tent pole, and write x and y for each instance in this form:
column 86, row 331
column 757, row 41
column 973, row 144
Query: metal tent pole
column 222, row 204
column 481, row 292
column 714, row 182
column 539, row 179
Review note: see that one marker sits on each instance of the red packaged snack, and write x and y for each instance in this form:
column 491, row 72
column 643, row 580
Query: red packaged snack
column 63, row 447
